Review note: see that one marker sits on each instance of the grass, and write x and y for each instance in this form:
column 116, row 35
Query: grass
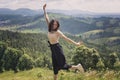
column 37, row 30
column 46, row 74
column 103, row 40
column 93, row 32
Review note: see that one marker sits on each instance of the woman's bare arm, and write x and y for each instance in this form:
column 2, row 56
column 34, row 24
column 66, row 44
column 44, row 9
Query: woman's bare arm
column 68, row 39
column 45, row 14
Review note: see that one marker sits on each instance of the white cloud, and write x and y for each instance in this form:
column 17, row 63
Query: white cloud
column 87, row 5
column 14, row 4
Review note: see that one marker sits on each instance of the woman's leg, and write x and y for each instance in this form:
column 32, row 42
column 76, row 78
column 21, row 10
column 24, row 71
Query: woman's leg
column 55, row 69
column 55, row 76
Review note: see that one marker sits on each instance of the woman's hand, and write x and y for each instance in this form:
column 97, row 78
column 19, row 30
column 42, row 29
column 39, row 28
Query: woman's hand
column 44, row 6
column 79, row 43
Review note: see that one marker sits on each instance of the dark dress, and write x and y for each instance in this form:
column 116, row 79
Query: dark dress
column 58, row 58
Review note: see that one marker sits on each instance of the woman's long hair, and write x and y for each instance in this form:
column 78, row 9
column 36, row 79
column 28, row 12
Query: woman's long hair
column 50, row 29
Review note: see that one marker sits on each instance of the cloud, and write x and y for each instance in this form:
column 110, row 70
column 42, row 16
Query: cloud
column 14, row 4
column 86, row 5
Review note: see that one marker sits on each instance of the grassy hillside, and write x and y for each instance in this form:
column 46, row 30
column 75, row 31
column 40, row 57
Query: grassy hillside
column 70, row 24
column 46, row 74
column 94, row 30
column 109, row 38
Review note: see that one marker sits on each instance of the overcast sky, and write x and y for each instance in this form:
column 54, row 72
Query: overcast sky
column 103, row 6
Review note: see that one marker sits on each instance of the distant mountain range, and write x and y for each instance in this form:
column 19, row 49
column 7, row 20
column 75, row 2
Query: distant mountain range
column 75, row 13
column 21, row 11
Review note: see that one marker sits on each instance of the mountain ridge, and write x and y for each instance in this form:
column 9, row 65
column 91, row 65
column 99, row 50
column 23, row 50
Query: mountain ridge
column 75, row 13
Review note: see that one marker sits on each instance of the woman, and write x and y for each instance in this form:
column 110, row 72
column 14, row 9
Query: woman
column 58, row 58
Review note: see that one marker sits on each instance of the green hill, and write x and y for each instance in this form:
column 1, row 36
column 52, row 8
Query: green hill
column 89, row 28
column 45, row 74
column 109, row 38
column 35, row 44
column 101, row 33
column 24, row 51
column 99, row 29
column 70, row 24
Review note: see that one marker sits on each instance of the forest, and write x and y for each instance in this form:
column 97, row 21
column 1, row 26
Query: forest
column 24, row 51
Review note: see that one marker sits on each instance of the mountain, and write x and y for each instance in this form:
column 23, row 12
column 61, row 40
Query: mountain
column 75, row 13
column 25, row 11
column 80, row 13
column 21, row 11
column 70, row 24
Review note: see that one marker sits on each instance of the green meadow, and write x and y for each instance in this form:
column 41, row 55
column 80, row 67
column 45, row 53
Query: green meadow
column 46, row 74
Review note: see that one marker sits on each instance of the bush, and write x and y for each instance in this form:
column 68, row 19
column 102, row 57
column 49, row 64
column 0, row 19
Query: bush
column 11, row 58
column 43, row 61
column 3, row 47
column 25, row 62
column 117, row 65
column 113, row 58
column 39, row 62
column 89, row 58
column 100, row 65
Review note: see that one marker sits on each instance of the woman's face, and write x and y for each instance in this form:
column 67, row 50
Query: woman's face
column 55, row 25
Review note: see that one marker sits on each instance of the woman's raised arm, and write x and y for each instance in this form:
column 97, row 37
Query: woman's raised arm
column 46, row 15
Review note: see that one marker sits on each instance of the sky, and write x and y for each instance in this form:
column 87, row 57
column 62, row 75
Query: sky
column 100, row 6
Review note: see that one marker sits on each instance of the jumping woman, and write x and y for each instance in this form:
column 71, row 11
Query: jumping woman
column 58, row 58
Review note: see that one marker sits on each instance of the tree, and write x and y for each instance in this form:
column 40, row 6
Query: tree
column 113, row 61
column 3, row 47
column 11, row 58
column 25, row 62
column 43, row 61
column 89, row 58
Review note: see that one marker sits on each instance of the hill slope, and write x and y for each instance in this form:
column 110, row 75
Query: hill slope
column 101, row 31
column 45, row 74
column 73, row 25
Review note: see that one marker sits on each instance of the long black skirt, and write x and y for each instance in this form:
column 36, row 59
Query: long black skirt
column 58, row 58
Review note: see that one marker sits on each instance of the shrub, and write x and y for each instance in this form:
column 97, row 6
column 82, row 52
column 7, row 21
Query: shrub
column 11, row 58
column 89, row 58
column 25, row 62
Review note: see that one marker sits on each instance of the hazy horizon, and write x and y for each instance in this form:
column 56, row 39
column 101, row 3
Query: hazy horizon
column 103, row 6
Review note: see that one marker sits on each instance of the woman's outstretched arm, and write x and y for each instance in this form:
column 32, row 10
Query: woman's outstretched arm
column 45, row 14
column 68, row 39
